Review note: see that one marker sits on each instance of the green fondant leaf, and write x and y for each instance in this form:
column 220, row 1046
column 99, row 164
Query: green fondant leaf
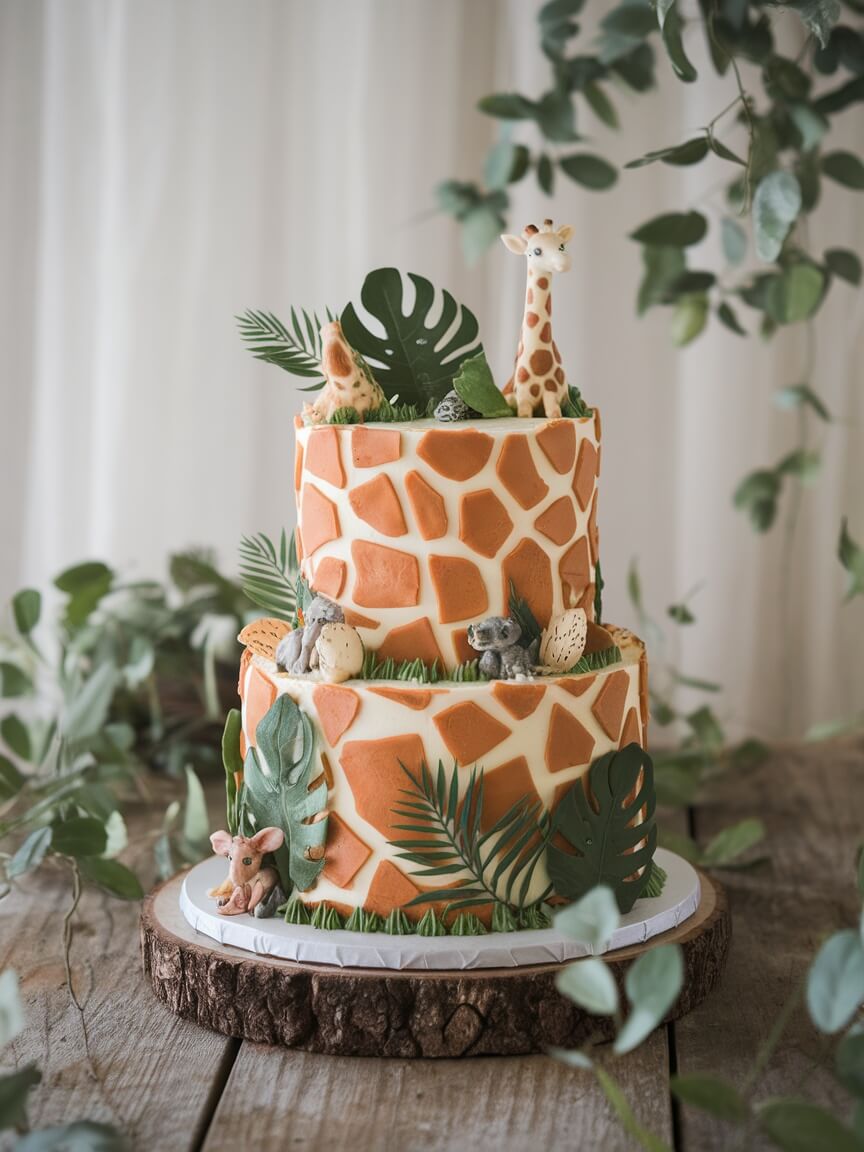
column 296, row 349
column 610, row 847
column 269, row 576
column 295, row 912
column 430, row 925
column 477, row 388
column 233, row 765
column 397, row 924
column 467, row 924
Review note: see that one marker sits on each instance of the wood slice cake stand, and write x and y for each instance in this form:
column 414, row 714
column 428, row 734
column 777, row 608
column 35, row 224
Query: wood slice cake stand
column 383, row 1011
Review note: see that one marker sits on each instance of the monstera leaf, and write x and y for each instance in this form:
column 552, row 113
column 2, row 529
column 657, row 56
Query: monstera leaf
column 416, row 359
column 608, row 845
column 278, row 791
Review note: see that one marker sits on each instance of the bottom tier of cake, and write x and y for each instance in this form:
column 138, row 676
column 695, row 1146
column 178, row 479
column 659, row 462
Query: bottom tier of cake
column 532, row 739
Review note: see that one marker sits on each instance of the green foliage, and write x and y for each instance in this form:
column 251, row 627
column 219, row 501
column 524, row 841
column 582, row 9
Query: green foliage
column 327, row 917
column 851, row 556
column 574, row 406
column 468, row 673
column 415, row 359
column 430, row 925
column 467, row 924
column 758, row 494
column 233, row 764
column 524, row 617
column 397, row 923
column 269, row 575
column 798, row 1126
column 495, row 866
column 653, row 983
column 835, row 983
column 296, row 349
column 286, row 796
column 656, row 882
column 410, row 670
column 596, row 661
column 477, row 388
column 362, row 921
column 715, row 1097
column 386, row 413
column 608, row 844
column 592, row 919
column 294, row 911
column 590, row 984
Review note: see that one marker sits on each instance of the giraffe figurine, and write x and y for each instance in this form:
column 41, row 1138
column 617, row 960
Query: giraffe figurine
column 538, row 377
column 350, row 383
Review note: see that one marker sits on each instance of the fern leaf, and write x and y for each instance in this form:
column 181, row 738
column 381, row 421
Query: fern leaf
column 295, row 350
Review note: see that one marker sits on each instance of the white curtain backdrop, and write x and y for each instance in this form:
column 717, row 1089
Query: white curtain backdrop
column 168, row 164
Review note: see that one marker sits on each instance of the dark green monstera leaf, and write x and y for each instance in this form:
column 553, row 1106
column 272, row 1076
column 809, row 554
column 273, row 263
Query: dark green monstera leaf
column 277, row 791
column 608, row 846
column 417, row 357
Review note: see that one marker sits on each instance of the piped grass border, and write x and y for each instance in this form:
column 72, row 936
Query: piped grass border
column 325, row 916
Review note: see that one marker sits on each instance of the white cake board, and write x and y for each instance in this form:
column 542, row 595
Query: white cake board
column 273, row 937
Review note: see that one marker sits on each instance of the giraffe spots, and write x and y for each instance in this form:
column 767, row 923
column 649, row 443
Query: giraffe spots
column 558, row 522
column 586, row 471
column 530, row 571
column 541, row 361
column 631, row 733
column 345, row 853
column 586, row 600
column 427, row 506
column 546, row 332
column 593, row 535
column 469, row 731
column 373, row 446
column 543, row 282
column 376, row 502
column 461, row 647
column 504, row 786
column 258, row 699
column 598, row 638
column 530, row 297
column 416, row 699
column 357, row 620
column 517, row 472
column 522, row 375
column 559, row 375
column 329, row 578
column 608, row 708
column 375, row 776
column 411, row 642
column 534, row 390
column 337, row 360
column 569, row 744
column 322, row 456
column 576, row 685
column 532, row 319
column 575, row 571
column 484, row 524
column 459, row 588
column 337, row 709
column 298, row 467
column 456, row 455
column 520, row 700
column 551, row 386
column 385, row 577
column 557, row 439
column 319, row 519
column 391, row 888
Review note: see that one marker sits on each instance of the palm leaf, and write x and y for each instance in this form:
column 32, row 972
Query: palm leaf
column 297, row 350
column 611, row 848
column 269, row 578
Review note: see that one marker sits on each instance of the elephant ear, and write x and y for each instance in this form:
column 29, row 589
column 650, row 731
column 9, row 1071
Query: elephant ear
column 416, row 358
column 278, row 778
column 610, row 829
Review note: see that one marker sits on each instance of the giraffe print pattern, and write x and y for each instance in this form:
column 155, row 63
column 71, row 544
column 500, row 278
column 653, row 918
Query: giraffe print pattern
column 350, row 383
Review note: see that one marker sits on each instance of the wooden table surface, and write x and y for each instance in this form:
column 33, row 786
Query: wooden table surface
column 170, row 1085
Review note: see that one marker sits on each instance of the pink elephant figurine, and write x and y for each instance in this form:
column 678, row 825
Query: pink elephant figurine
column 249, row 887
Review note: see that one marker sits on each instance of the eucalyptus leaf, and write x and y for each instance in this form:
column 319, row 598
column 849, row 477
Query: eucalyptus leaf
column 734, row 241
column 85, row 714
column 499, row 163
column 477, row 388
column 798, row 1126
column 196, row 824
column 672, row 29
column 590, row 171
column 796, row 294
column 79, row 836
column 572, row 1057
column 481, row 227
column 114, row 877
column 592, row 920
column 844, row 263
column 545, row 174
column 590, row 984
column 728, row 845
column 688, row 319
column 810, row 124
column 11, row 780
column 851, row 556
column 844, row 167
column 601, row 105
column 86, row 585
column 818, row 16
column 663, row 267
column 14, row 681
column 26, row 609
column 30, row 854
column 16, row 734
column 507, row 106
column 414, row 358
column 117, row 836
column 555, row 116
column 708, row 1094
column 82, row 1136
column 653, row 983
column 678, row 155
column 776, row 205
column 672, row 229
column 798, row 395
column 728, row 317
column 835, row 982
column 850, row 1063
column 14, row 1088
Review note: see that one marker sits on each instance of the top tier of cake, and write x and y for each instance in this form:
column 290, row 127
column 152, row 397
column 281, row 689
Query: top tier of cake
column 418, row 529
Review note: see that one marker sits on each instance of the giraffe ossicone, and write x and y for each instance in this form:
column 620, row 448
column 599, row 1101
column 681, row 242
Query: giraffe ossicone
column 538, row 379
column 350, row 383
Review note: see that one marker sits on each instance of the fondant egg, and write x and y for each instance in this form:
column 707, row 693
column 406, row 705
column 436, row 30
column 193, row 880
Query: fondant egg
column 563, row 642
column 340, row 652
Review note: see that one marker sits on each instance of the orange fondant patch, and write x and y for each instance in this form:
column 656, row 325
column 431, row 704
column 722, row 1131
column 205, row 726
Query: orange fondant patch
column 328, row 771
column 631, row 733
column 345, row 853
column 427, row 506
column 373, row 446
column 376, row 502
column 575, row 571
column 415, row 698
column 385, row 577
column 298, row 466
column 357, row 620
column 609, row 705
column 518, row 473
column 391, row 888
column 329, row 578
column 414, row 641
column 586, row 601
column 505, row 786
column 484, row 524
column 456, row 455
column 459, row 588
column 337, row 709
column 461, row 647
column 558, row 441
column 593, row 536
column 576, row 685
column 585, row 474
column 558, row 522
column 319, row 518
column 245, row 661
column 568, row 743
column 372, row 768
column 469, row 732
column 531, row 573
column 260, row 694
column 322, row 456
column 520, row 700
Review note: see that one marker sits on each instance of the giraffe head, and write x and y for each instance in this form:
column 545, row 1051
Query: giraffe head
column 545, row 248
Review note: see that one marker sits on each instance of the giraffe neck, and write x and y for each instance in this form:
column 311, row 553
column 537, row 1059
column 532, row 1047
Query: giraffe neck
column 537, row 320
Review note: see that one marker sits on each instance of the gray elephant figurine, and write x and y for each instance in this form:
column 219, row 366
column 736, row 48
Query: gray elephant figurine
column 296, row 650
column 503, row 657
